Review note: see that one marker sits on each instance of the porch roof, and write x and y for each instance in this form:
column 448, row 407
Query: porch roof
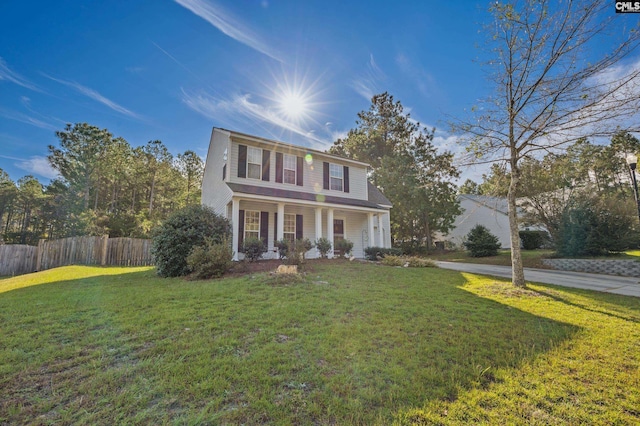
column 303, row 196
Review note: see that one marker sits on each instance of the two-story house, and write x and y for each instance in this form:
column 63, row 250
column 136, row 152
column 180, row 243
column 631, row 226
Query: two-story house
column 273, row 191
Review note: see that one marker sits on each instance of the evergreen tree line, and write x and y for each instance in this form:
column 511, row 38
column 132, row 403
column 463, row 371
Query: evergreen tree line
column 105, row 187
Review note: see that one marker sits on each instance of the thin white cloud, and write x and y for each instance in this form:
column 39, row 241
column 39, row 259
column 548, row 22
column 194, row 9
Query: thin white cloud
column 229, row 25
column 369, row 85
column 39, row 166
column 27, row 119
column 241, row 105
column 15, row 78
column 90, row 93
column 180, row 64
column 339, row 134
column 422, row 79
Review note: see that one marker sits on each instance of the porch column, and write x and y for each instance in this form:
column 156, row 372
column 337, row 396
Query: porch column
column 235, row 218
column 330, row 231
column 372, row 239
column 318, row 226
column 280, row 223
column 380, row 233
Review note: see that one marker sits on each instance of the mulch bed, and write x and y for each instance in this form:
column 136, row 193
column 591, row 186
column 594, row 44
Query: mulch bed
column 247, row 268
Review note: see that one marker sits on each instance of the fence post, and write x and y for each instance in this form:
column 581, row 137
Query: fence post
column 105, row 245
column 39, row 254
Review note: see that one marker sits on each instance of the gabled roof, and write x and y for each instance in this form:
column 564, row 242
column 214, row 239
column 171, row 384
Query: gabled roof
column 305, row 196
column 494, row 203
column 376, row 196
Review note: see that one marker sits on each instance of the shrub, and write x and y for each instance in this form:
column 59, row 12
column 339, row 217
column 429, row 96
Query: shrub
column 411, row 262
column 300, row 248
column 283, row 248
column 345, row 246
column 253, row 249
column 532, row 240
column 391, row 260
column 187, row 228
column 372, row 253
column 324, row 247
column 211, row 260
column 592, row 226
column 418, row 262
column 481, row 243
column 414, row 248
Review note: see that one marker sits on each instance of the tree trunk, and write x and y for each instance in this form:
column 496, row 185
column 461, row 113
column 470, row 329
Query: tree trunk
column 95, row 202
column 113, row 199
column 188, row 188
column 517, row 271
column 87, row 186
column 428, row 232
column 153, row 187
column 25, row 224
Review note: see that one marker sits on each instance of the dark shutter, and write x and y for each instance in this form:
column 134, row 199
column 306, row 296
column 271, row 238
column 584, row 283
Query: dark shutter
column 325, row 175
column 241, row 231
column 345, row 174
column 299, row 168
column 242, row 161
column 264, row 228
column 266, row 161
column 279, row 167
column 224, row 172
column 298, row 226
column 275, row 226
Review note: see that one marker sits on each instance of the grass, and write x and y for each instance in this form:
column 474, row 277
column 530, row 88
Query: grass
column 350, row 343
column 530, row 258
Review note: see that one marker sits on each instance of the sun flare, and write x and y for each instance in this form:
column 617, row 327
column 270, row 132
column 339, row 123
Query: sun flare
column 294, row 105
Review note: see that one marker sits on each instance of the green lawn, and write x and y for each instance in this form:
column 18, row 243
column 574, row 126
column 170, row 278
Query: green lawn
column 530, row 258
column 350, row 343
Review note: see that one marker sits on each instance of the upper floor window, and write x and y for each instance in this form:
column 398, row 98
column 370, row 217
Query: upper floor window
column 289, row 169
column 289, row 166
column 335, row 177
column 254, row 163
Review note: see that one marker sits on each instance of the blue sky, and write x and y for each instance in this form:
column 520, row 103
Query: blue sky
column 172, row 70
column 296, row 71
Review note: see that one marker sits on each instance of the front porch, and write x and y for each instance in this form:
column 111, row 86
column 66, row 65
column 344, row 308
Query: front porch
column 286, row 219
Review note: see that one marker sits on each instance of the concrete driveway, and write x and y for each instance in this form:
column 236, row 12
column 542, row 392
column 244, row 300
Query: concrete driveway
column 627, row 286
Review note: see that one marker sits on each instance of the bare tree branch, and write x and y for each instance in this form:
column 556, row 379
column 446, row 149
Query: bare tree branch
column 551, row 89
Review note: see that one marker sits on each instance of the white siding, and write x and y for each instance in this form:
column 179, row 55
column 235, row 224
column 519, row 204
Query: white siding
column 356, row 230
column 355, row 225
column 312, row 174
column 477, row 214
column 215, row 192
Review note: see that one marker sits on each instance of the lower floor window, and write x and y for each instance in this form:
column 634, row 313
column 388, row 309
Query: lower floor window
column 290, row 227
column 251, row 224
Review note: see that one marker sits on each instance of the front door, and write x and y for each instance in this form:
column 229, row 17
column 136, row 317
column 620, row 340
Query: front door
column 338, row 234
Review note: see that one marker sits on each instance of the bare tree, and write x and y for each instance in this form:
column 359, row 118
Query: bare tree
column 553, row 85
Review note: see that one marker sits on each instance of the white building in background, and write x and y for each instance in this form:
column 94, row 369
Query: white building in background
column 480, row 210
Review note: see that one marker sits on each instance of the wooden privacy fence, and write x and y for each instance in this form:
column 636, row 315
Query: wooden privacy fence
column 20, row 259
column 17, row 259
